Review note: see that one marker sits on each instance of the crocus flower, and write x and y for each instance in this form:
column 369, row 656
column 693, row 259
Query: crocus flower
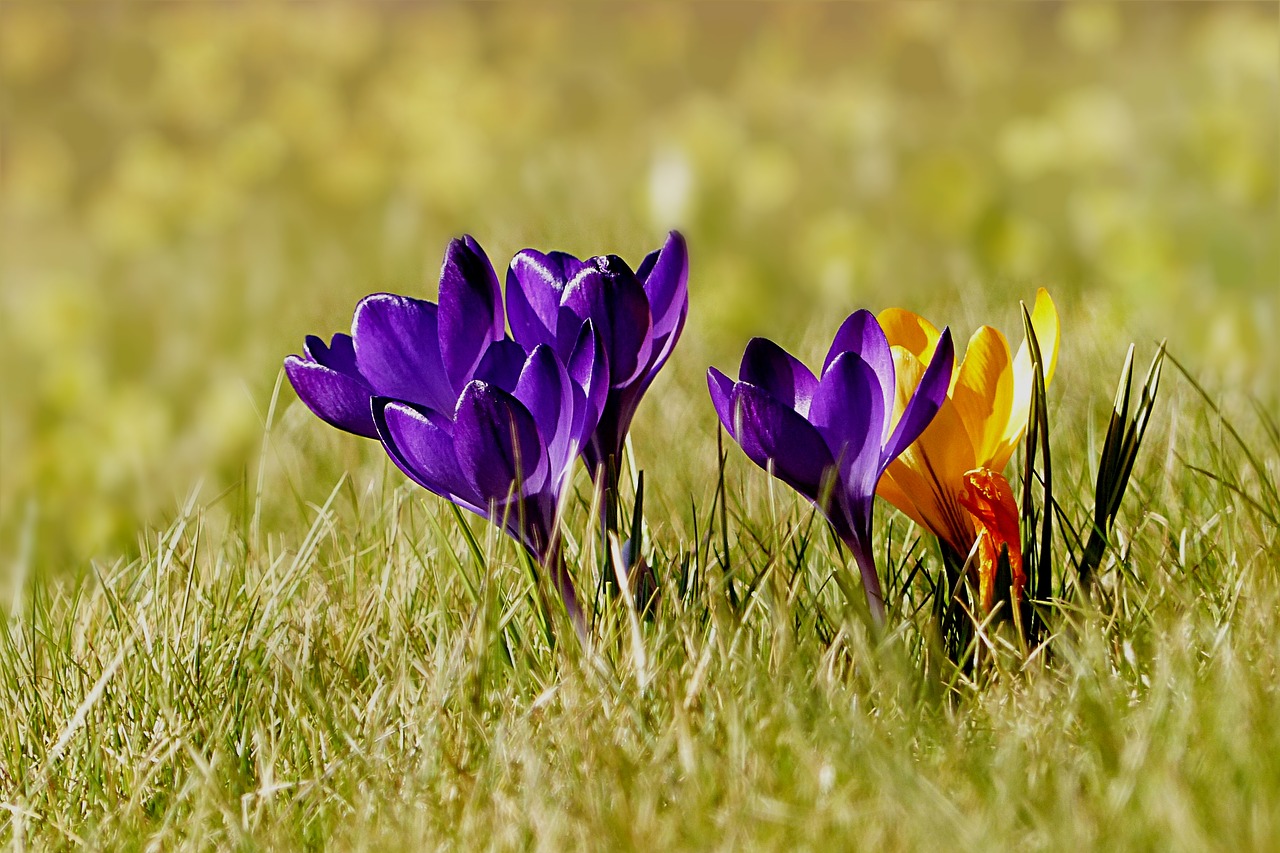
column 976, row 428
column 458, row 406
column 506, row 450
column 639, row 316
column 410, row 349
column 831, row 438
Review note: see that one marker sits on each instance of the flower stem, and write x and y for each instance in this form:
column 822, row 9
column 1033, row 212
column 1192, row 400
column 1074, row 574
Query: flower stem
column 870, row 584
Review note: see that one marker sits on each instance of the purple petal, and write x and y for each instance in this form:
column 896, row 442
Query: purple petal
column 924, row 403
column 589, row 370
column 398, row 350
column 608, row 293
column 497, row 442
column 772, row 368
column 848, row 410
column 861, row 334
column 470, row 309
column 547, row 392
column 770, row 431
column 665, row 275
column 663, row 346
column 535, row 286
column 501, row 365
column 340, row 354
column 721, row 388
column 336, row 398
column 420, row 443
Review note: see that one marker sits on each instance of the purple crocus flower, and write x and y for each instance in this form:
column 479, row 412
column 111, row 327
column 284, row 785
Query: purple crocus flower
column 831, row 438
column 639, row 316
column 410, row 349
column 506, row 450
column 459, row 407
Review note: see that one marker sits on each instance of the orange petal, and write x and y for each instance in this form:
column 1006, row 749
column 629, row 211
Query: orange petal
column 910, row 331
column 983, row 392
column 929, row 475
column 988, row 497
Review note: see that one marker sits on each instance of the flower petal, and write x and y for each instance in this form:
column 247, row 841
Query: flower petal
column 930, row 390
column 470, row 311
column 336, row 398
column 849, row 412
column 988, row 498
column 497, row 442
column 535, row 287
column 608, row 293
column 910, row 331
column 721, row 388
column 861, row 333
column 665, row 276
column 340, row 353
column 589, row 369
column 929, row 473
column 547, row 392
column 420, row 443
column 769, row 431
column 1044, row 322
column 501, row 365
column 398, row 350
column 983, row 392
column 782, row 375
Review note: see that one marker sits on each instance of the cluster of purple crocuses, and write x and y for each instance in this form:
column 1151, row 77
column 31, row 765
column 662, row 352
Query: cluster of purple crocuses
column 495, row 421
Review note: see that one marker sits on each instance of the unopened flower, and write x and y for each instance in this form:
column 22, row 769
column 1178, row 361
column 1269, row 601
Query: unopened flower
column 638, row 315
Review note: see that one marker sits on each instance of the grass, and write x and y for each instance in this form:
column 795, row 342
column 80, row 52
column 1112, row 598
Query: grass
column 339, row 685
column 229, row 627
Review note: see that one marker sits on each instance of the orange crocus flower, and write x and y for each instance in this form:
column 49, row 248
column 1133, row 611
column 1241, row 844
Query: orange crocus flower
column 977, row 427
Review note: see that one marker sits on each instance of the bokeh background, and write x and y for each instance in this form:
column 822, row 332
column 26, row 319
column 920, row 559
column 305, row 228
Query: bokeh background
column 188, row 189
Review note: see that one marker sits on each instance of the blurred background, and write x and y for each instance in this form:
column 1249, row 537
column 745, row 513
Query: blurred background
column 186, row 190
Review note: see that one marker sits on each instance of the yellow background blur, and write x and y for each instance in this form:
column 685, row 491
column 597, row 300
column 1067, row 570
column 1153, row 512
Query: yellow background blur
column 188, row 189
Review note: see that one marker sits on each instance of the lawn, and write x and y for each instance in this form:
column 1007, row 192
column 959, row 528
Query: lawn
column 231, row 626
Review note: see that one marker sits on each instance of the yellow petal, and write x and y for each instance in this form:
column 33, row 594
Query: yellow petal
column 1044, row 321
column 910, row 331
column 925, row 481
column 983, row 392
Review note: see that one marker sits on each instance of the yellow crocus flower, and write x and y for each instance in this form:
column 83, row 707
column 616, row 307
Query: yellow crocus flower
column 978, row 426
